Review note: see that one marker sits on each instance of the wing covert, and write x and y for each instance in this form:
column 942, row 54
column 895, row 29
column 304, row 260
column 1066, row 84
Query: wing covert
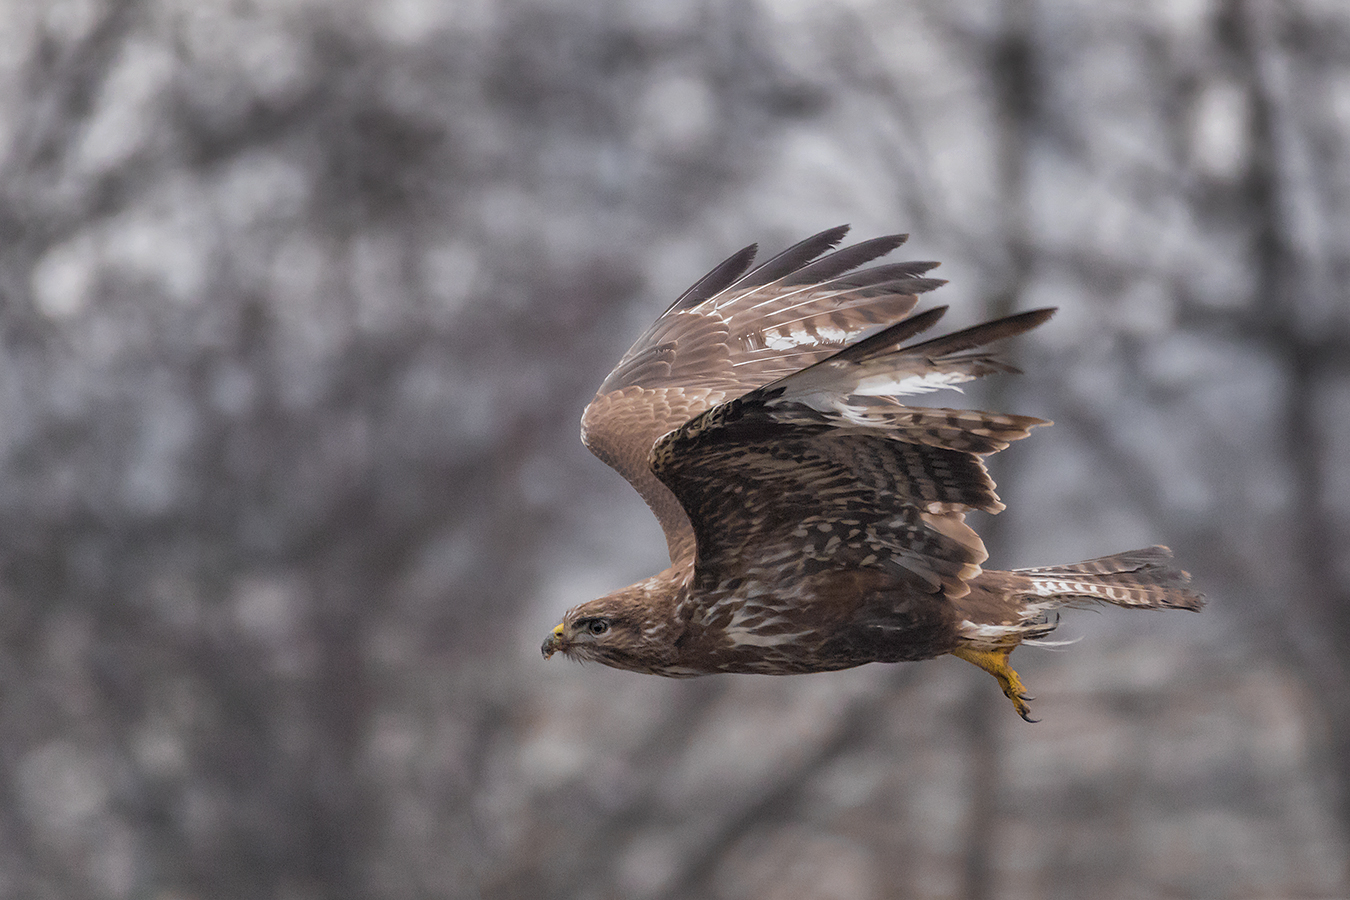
column 824, row 470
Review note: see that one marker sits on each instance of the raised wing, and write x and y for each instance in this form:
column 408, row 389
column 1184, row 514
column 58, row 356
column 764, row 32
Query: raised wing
column 825, row 469
column 735, row 331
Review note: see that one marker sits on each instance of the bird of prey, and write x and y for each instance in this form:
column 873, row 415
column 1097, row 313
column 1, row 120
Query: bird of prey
column 815, row 521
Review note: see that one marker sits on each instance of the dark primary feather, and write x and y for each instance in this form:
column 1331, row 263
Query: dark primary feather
column 841, row 261
column 719, row 279
column 886, row 273
column 792, row 259
column 984, row 333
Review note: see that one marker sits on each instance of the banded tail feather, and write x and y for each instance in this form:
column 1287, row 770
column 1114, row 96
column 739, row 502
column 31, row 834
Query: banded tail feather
column 1141, row 579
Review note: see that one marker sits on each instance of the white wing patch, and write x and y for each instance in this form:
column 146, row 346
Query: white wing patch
column 826, row 391
column 893, row 384
column 778, row 339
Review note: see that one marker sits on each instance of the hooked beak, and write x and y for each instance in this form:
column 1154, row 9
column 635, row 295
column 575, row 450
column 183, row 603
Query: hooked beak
column 553, row 643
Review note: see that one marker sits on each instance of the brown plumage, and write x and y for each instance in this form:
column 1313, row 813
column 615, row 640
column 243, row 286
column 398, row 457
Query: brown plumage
column 814, row 522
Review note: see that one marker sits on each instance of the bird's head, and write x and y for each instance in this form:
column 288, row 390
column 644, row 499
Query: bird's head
column 613, row 631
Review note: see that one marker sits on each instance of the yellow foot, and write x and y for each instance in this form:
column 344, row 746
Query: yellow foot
column 995, row 662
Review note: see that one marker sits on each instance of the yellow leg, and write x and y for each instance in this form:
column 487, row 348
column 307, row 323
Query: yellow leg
column 995, row 662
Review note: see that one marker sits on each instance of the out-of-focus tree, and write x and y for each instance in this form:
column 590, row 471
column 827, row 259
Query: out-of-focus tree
column 301, row 303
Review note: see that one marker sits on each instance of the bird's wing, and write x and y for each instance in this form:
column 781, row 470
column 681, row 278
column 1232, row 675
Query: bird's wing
column 734, row 331
column 825, row 469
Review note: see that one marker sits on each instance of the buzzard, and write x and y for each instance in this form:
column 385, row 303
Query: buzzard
column 815, row 521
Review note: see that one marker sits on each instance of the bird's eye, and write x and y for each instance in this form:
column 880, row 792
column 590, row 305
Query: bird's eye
column 598, row 626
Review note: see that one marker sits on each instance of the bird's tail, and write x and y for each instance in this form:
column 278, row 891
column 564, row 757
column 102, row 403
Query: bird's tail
column 1140, row 579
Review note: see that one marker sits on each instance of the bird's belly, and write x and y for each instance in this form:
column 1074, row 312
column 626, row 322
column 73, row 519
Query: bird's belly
column 777, row 635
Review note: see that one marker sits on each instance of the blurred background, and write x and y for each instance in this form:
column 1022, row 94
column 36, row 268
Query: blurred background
column 302, row 300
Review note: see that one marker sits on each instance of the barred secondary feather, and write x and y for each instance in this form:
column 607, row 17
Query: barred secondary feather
column 814, row 520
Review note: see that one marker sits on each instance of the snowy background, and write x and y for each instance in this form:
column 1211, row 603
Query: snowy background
column 300, row 303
